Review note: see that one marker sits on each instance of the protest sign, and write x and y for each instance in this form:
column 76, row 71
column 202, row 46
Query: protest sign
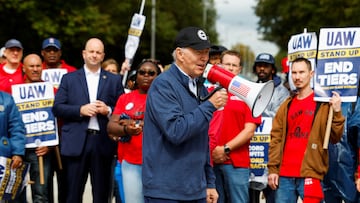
column 338, row 64
column 302, row 45
column 35, row 101
column 12, row 181
column 53, row 75
column 133, row 40
column 258, row 149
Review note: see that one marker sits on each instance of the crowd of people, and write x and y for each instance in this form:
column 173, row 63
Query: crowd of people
column 156, row 140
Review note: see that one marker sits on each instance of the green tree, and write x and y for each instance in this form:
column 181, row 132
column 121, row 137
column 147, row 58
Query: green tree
column 73, row 22
column 247, row 57
column 279, row 20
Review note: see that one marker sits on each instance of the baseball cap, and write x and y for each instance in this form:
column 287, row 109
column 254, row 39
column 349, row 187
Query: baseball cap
column 217, row 49
column 51, row 42
column 13, row 43
column 265, row 58
column 192, row 37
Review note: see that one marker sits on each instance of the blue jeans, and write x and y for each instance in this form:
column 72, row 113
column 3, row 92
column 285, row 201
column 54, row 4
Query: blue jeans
column 118, row 182
column 235, row 185
column 39, row 192
column 289, row 190
column 132, row 182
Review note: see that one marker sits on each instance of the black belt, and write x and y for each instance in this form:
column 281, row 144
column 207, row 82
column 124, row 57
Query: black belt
column 93, row 132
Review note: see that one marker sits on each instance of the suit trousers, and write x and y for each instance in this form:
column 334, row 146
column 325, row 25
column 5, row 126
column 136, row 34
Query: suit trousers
column 90, row 161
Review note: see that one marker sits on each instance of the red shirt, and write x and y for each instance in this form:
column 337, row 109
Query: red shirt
column 9, row 79
column 300, row 119
column 64, row 65
column 132, row 104
column 235, row 114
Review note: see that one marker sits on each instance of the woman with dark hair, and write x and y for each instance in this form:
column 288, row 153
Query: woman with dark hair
column 126, row 125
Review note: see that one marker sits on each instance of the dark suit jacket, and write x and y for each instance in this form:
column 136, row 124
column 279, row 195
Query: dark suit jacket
column 71, row 95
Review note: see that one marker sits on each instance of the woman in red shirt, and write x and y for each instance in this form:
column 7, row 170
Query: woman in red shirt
column 126, row 125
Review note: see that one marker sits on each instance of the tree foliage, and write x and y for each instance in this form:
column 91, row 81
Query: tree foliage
column 247, row 58
column 73, row 22
column 279, row 20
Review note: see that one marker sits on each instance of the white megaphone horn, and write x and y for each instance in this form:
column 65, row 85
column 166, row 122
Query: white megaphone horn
column 256, row 95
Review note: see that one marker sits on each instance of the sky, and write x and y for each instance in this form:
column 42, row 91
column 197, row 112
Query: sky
column 237, row 23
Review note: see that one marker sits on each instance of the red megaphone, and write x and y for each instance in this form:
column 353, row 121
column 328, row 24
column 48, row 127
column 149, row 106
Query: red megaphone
column 256, row 95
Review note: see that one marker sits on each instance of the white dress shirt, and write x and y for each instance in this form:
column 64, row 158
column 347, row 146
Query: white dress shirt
column 92, row 80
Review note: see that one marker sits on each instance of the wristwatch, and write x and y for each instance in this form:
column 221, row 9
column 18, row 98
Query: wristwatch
column 226, row 149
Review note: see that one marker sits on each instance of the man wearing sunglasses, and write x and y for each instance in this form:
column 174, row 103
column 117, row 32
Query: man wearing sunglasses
column 176, row 164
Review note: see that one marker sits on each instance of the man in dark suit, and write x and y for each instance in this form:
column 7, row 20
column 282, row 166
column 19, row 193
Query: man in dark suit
column 84, row 101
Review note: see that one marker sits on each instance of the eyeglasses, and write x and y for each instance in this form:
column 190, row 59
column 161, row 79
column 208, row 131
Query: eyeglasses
column 150, row 73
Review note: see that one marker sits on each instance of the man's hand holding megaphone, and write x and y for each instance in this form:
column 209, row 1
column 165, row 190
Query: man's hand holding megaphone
column 219, row 98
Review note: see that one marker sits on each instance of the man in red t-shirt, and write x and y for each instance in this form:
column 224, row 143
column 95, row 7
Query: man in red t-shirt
column 297, row 161
column 11, row 70
column 51, row 52
column 230, row 144
column 53, row 70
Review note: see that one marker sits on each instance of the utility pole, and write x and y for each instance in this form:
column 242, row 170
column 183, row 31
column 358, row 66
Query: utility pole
column 204, row 2
column 153, row 29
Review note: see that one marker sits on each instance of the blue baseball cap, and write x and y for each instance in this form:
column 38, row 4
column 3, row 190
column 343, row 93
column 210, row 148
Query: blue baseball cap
column 51, row 42
column 265, row 58
column 13, row 43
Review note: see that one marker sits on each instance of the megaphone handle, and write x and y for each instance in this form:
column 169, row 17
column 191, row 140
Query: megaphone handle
column 211, row 93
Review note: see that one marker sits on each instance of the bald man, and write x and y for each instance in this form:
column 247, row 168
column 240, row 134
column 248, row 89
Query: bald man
column 84, row 101
column 32, row 67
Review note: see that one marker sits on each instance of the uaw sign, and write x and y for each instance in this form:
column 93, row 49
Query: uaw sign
column 53, row 75
column 259, row 147
column 35, row 101
column 302, row 45
column 12, row 181
column 338, row 64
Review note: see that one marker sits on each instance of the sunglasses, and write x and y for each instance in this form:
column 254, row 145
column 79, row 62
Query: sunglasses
column 150, row 73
